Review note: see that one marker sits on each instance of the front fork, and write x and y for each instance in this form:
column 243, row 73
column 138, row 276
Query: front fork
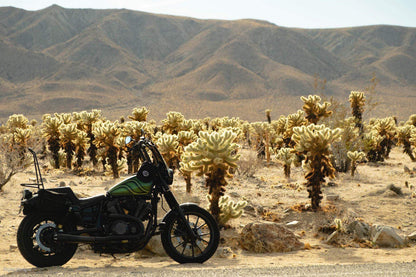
column 175, row 207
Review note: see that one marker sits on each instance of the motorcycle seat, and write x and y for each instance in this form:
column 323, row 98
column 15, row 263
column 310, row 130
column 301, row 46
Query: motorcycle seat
column 84, row 202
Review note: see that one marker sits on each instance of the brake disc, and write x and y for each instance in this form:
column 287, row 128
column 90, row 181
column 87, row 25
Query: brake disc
column 39, row 240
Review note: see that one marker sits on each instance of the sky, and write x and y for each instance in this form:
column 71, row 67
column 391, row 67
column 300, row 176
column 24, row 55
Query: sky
column 288, row 13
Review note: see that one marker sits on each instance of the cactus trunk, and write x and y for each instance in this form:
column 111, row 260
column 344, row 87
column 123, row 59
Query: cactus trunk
column 54, row 148
column 216, row 182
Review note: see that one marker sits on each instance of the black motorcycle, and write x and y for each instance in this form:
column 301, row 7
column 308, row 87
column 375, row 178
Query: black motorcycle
column 121, row 221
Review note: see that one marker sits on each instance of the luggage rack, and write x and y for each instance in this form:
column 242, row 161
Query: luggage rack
column 39, row 181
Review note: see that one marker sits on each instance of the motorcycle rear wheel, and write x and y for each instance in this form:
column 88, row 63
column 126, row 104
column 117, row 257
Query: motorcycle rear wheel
column 35, row 240
column 178, row 244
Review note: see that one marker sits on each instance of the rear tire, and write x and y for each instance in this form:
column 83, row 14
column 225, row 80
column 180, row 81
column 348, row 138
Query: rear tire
column 36, row 244
column 178, row 244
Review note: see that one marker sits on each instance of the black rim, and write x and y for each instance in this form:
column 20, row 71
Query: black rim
column 183, row 244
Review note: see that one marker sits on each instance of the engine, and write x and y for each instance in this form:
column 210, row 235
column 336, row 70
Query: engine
column 125, row 216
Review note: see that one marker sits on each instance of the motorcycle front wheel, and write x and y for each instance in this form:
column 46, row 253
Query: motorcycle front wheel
column 180, row 246
column 36, row 243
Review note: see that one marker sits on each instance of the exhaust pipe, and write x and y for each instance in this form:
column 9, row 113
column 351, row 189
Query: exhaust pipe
column 89, row 239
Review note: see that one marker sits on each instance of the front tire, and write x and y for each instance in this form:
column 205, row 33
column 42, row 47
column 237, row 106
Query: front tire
column 177, row 243
column 35, row 240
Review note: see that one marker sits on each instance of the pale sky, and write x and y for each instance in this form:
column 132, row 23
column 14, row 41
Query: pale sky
column 288, row 13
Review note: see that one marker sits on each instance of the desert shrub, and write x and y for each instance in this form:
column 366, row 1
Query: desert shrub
column 212, row 155
column 314, row 141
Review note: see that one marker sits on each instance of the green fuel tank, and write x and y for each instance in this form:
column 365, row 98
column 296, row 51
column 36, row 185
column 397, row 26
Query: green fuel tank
column 130, row 186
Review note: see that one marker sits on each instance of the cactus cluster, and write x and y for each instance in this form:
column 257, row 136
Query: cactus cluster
column 314, row 109
column 314, row 141
column 213, row 155
column 228, row 209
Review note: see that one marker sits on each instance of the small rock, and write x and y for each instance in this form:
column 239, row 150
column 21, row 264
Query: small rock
column 406, row 169
column 331, row 184
column 395, row 189
column 155, row 246
column 268, row 237
column 72, row 184
column 13, row 247
column 80, row 182
column 249, row 209
column 332, row 197
column 225, row 252
column 62, row 184
column 234, row 194
column 292, row 223
column 359, row 229
column 412, row 236
column 385, row 236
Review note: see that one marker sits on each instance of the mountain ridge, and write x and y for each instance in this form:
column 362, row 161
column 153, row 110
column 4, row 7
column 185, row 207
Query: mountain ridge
column 123, row 58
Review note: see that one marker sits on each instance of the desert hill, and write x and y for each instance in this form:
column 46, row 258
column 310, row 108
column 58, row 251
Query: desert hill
column 57, row 59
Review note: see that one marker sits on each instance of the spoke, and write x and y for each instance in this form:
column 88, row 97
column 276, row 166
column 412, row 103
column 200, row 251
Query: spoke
column 206, row 234
column 182, row 243
column 207, row 242
column 199, row 247
column 184, row 247
column 201, row 226
column 196, row 223
column 193, row 252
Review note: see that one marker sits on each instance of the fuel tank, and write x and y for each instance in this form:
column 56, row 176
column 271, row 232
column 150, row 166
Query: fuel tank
column 130, row 186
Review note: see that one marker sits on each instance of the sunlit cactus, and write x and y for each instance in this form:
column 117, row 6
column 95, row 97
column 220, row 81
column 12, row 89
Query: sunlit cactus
column 65, row 118
column 404, row 134
column 87, row 120
column 357, row 100
column 168, row 147
column 314, row 142
column 185, row 138
column 286, row 157
column 17, row 121
column 81, row 144
column 386, row 128
column 172, row 123
column 139, row 114
column 412, row 120
column 355, row 157
column 106, row 137
column 314, row 109
column 135, row 130
column 292, row 120
column 229, row 209
column 186, row 125
column 50, row 129
column 212, row 155
column 68, row 134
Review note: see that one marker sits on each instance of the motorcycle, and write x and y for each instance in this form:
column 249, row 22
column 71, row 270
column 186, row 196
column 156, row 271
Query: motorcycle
column 122, row 220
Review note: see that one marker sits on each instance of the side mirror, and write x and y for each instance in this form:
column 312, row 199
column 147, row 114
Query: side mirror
column 128, row 140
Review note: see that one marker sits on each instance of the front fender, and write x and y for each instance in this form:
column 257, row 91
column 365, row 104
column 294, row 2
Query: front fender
column 174, row 212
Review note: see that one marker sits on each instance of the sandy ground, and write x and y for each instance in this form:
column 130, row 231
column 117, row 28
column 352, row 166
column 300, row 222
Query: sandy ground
column 272, row 196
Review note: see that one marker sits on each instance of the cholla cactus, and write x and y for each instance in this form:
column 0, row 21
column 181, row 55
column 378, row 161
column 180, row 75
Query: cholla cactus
column 386, row 130
column 412, row 120
column 65, row 118
column 17, row 121
column 68, row 134
column 213, row 155
column 85, row 122
column 229, row 209
column 172, row 123
column 80, row 143
column 314, row 142
column 284, row 126
column 355, row 157
column 185, row 138
column 404, row 134
column 168, row 147
column 50, row 129
column 357, row 100
column 106, row 137
column 264, row 134
column 286, row 157
column 314, row 109
column 109, row 170
column 139, row 114
column 134, row 129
